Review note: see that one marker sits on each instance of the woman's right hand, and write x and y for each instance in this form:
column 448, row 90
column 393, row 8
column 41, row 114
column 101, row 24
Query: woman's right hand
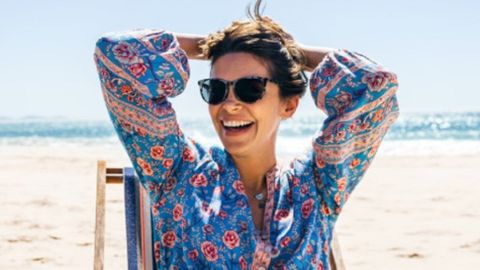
column 190, row 44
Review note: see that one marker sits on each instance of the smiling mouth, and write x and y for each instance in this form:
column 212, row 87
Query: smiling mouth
column 236, row 125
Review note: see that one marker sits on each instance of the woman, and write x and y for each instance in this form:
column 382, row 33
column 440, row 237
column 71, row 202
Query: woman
column 234, row 207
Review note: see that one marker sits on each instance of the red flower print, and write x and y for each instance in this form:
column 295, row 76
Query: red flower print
column 320, row 266
column 188, row 155
column 181, row 192
column 285, row 241
column 198, row 180
column 376, row 81
column 281, row 214
column 104, row 74
column 355, row 162
column 231, row 239
column 337, row 198
column 170, row 185
column 167, row 84
column 126, row 89
column 304, row 189
column 378, row 116
column 223, row 214
column 243, row 263
column 309, row 249
column 193, row 254
column 156, row 152
column 141, row 131
column 307, row 207
column 177, row 212
column 168, row 239
column 137, row 69
column 239, row 187
column 320, row 162
column 147, row 170
column 352, row 127
column 156, row 250
column 295, row 181
column 341, row 183
column 208, row 229
column 210, row 251
column 125, row 53
column 167, row 163
column 325, row 209
column 340, row 136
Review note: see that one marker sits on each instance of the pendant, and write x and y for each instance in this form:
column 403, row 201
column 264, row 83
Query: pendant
column 259, row 196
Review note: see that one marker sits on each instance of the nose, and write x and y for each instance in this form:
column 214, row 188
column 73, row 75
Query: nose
column 231, row 104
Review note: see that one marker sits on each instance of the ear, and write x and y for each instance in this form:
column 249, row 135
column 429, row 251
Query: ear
column 289, row 107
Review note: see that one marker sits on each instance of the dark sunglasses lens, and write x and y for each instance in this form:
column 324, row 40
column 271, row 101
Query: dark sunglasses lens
column 250, row 90
column 213, row 91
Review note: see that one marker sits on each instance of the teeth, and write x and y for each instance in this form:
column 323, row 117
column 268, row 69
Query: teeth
column 236, row 123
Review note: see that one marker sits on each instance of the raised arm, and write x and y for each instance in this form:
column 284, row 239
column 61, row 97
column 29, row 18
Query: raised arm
column 358, row 96
column 138, row 70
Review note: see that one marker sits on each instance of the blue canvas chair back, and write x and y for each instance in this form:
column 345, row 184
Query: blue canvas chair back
column 138, row 223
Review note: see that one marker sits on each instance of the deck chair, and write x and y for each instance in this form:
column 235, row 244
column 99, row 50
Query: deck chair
column 138, row 221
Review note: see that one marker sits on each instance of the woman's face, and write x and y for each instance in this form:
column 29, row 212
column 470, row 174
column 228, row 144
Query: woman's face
column 262, row 118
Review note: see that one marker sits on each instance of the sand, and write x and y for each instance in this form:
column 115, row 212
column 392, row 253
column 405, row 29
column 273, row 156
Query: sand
column 408, row 212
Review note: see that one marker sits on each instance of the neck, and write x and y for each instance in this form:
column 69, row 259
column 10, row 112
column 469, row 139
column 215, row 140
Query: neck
column 252, row 169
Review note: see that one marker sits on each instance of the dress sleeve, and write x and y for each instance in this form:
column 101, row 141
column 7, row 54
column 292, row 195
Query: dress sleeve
column 358, row 96
column 138, row 71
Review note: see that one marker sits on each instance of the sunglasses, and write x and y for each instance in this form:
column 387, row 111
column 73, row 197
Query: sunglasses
column 248, row 89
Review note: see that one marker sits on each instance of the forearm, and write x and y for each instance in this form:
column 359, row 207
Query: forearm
column 314, row 55
column 189, row 43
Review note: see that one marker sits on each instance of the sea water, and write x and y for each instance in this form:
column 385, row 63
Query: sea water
column 412, row 134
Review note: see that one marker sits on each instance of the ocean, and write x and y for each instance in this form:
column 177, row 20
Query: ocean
column 412, row 134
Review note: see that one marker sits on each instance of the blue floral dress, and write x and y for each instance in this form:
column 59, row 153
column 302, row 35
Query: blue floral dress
column 201, row 214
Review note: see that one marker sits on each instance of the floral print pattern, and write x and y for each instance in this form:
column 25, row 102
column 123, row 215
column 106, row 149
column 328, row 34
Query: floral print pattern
column 200, row 213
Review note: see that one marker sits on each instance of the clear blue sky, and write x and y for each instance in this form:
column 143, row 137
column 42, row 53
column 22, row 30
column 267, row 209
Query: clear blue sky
column 46, row 47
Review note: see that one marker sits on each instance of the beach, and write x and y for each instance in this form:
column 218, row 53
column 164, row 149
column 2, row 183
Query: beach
column 409, row 212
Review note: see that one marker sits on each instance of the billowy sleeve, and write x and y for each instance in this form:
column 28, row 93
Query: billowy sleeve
column 139, row 70
column 358, row 96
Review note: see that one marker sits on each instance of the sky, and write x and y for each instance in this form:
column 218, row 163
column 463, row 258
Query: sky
column 47, row 68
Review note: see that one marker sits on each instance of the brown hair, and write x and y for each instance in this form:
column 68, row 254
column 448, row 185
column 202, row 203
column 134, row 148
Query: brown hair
column 266, row 39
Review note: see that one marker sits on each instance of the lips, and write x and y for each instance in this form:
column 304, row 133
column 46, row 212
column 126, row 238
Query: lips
column 236, row 127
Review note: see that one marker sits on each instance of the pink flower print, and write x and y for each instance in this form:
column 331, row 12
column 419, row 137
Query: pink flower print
column 193, row 254
column 355, row 162
column 156, row 250
column 198, row 180
column 156, row 152
column 208, row 229
column 281, row 214
column 168, row 239
column 125, row 53
column 177, row 212
column 376, row 81
column 188, row 155
column 146, row 168
column 210, row 251
column 239, row 187
column 137, row 69
column 231, row 239
column 341, row 182
column 304, row 189
column 167, row 163
column 285, row 241
column 170, row 184
column 307, row 207
column 243, row 263
column 167, row 84
column 223, row 214
column 309, row 249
